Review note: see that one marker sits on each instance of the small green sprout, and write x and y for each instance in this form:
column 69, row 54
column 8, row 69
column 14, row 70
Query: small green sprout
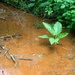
column 55, row 30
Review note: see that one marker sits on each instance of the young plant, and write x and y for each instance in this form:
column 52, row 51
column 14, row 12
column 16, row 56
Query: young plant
column 55, row 30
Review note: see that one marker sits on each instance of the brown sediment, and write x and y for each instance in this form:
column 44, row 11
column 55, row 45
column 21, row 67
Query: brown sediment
column 46, row 60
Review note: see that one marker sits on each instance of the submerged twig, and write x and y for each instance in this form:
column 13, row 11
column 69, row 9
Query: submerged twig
column 23, row 59
column 2, row 18
column 9, row 36
column 10, row 56
column 7, row 53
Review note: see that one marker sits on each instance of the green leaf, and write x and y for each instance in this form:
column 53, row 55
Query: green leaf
column 58, row 0
column 62, row 35
column 57, row 28
column 69, row 26
column 32, row 0
column 62, row 6
column 44, row 4
column 49, row 27
column 30, row 5
column 44, row 36
column 54, row 41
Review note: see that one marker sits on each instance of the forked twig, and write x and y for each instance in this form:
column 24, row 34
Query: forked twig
column 10, row 56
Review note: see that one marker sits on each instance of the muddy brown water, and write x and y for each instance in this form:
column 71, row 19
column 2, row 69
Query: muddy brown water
column 46, row 60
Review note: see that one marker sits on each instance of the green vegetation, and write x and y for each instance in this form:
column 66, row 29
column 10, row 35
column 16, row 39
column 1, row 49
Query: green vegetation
column 38, row 24
column 21, row 4
column 55, row 30
column 60, row 10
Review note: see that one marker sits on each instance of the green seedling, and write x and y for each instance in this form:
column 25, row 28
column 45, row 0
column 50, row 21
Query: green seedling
column 56, row 31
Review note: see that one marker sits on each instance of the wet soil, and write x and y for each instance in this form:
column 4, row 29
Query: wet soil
column 46, row 60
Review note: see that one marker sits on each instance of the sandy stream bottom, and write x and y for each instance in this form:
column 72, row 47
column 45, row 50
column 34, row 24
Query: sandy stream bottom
column 46, row 60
